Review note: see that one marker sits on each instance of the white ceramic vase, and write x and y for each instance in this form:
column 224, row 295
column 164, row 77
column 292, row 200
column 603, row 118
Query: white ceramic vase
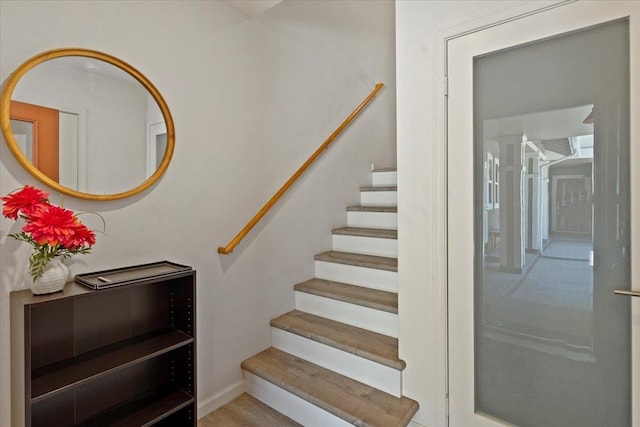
column 52, row 280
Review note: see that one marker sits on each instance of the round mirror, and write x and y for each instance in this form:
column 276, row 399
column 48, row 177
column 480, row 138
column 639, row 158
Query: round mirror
column 87, row 124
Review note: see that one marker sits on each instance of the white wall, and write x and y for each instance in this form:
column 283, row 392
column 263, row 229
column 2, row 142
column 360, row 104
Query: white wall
column 251, row 99
column 419, row 75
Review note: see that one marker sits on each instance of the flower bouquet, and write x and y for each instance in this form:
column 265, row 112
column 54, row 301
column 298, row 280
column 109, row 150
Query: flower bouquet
column 54, row 232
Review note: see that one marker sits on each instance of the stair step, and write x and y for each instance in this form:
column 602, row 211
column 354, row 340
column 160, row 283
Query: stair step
column 384, row 176
column 359, row 260
column 351, row 401
column 378, row 233
column 355, row 367
column 370, row 188
column 246, row 411
column 379, row 195
column 386, row 209
column 369, row 345
column 372, row 298
column 371, row 309
column 358, row 269
column 366, row 241
column 373, row 216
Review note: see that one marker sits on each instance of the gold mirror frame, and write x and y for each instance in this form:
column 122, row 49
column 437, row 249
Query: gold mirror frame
column 5, row 123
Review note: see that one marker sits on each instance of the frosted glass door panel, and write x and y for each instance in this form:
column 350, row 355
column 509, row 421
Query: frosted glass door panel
column 552, row 231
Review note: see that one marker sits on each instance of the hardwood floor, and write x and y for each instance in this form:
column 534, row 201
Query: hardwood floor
column 246, row 411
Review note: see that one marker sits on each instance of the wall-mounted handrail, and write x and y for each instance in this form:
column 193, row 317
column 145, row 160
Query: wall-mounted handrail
column 226, row 250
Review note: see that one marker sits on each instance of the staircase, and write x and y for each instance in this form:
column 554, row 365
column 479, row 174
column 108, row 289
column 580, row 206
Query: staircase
column 334, row 359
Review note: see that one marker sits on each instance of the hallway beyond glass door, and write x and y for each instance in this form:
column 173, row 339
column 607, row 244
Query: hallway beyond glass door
column 552, row 185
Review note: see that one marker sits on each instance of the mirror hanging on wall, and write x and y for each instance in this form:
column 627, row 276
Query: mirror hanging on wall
column 87, row 124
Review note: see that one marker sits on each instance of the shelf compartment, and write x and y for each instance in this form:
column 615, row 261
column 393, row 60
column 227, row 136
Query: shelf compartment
column 59, row 377
column 144, row 411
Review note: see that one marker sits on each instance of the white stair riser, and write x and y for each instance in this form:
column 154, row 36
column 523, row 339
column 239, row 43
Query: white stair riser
column 366, row 245
column 378, row 198
column 353, row 275
column 289, row 404
column 386, row 220
column 384, row 178
column 371, row 319
column 355, row 367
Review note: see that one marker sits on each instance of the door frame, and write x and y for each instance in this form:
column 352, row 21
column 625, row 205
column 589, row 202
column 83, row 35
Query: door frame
column 509, row 13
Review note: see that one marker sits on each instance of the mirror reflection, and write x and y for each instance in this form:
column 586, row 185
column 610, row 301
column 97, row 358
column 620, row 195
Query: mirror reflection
column 88, row 125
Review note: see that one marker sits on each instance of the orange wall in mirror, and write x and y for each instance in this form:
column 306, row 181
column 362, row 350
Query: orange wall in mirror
column 45, row 125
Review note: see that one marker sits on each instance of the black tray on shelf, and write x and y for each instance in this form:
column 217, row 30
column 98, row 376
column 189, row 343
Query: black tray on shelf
column 129, row 275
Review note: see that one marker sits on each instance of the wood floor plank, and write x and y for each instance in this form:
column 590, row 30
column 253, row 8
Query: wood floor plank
column 379, row 233
column 379, row 188
column 387, row 209
column 246, row 411
column 359, row 260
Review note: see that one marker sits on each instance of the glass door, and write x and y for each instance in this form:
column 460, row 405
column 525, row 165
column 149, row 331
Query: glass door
column 541, row 153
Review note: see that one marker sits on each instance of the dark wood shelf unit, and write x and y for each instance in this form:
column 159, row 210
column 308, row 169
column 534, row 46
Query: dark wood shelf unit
column 145, row 411
column 123, row 356
column 71, row 373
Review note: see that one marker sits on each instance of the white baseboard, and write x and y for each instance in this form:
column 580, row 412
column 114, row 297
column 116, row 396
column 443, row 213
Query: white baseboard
column 207, row 406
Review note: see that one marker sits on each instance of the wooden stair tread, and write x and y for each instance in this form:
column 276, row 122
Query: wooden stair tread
column 379, row 233
column 379, row 188
column 246, row 411
column 359, row 260
column 359, row 295
column 354, row 402
column 387, row 209
column 360, row 342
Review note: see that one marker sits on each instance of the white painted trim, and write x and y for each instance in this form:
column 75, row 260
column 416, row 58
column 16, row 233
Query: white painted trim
column 350, row 365
column 438, row 166
column 353, row 275
column 82, row 153
column 210, row 404
column 289, row 404
column 367, row 318
column 378, row 198
column 415, row 424
column 365, row 245
column 153, row 131
column 386, row 220
column 507, row 15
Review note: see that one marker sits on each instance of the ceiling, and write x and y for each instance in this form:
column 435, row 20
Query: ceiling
column 549, row 130
column 542, row 125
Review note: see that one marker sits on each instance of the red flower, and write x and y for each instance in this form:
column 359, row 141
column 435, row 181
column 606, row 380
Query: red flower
column 80, row 237
column 24, row 201
column 51, row 224
column 52, row 230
